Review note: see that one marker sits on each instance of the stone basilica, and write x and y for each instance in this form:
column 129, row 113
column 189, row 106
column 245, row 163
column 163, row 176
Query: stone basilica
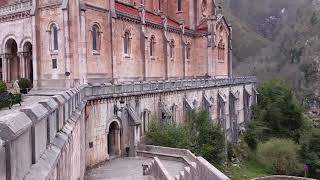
column 102, row 70
column 65, row 43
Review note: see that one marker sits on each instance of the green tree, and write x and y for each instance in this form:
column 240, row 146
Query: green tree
column 310, row 150
column 277, row 114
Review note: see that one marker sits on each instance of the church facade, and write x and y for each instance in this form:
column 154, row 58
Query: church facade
column 66, row 43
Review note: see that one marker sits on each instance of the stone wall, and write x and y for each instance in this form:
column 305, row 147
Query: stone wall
column 134, row 105
column 44, row 141
column 60, row 137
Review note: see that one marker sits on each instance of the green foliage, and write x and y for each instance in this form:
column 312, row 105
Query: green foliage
column 240, row 152
column 168, row 134
column 24, row 83
column 278, row 114
column 248, row 170
column 310, row 150
column 282, row 155
column 3, row 86
column 198, row 134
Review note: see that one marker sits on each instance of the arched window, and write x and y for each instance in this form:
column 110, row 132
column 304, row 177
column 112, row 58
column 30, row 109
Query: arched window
column 188, row 51
column 152, row 46
column 179, row 5
column 54, row 37
column 95, row 38
column 126, row 43
column 221, row 48
column 171, row 53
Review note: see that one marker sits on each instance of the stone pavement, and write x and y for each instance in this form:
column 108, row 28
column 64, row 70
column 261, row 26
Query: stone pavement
column 26, row 101
column 129, row 169
column 33, row 97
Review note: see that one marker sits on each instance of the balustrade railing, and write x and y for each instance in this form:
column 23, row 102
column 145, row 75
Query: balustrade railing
column 168, row 85
column 14, row 8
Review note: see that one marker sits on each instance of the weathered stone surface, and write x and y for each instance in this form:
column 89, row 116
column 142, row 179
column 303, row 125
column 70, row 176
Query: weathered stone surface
column 13, row 125
column 36, row 112
column 2, row 161
column 50, row 104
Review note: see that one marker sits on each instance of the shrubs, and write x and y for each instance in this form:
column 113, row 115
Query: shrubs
column 25, row 85
column 199, row 135
column 3, row 86
column 282, row 155
column 310, row 151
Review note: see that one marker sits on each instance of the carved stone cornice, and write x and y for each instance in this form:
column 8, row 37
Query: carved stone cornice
column 129, row 18
column 137, row 20
column 14, row 17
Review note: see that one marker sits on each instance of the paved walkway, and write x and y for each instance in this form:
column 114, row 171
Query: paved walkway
column 33, row 97
column 129, row 169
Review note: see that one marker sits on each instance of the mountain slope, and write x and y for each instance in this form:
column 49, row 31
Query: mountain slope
column 289, row 33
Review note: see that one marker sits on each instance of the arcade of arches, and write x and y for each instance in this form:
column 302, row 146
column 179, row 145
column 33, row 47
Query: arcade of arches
column 15, row 64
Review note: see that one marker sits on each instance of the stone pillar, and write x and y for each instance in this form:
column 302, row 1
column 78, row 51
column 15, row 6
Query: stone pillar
column 4, row 69
column 67, row 53
column 22, row 64
column 8, row 69
column 82, row 47
column 27, row 69
column 34, row 53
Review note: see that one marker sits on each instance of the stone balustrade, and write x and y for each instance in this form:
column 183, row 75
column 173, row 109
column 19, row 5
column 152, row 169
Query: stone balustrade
column 107, row 90
column 15, row 8
column 35, row 142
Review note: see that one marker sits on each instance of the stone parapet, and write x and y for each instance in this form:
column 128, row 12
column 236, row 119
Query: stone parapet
column 36, row 141
column 130, row 88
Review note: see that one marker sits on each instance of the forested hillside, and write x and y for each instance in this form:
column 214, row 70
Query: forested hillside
column 278, row 39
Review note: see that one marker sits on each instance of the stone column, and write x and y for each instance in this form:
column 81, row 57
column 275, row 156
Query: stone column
column 8, row 69
column 22, row 65
column 67, row 53
column 82, row 47
column 26, row 62
column 4, row 69
column 34, row 53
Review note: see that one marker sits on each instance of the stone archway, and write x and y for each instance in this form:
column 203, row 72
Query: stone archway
column 114, row 139
column 11, row 61
column 26, row 57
